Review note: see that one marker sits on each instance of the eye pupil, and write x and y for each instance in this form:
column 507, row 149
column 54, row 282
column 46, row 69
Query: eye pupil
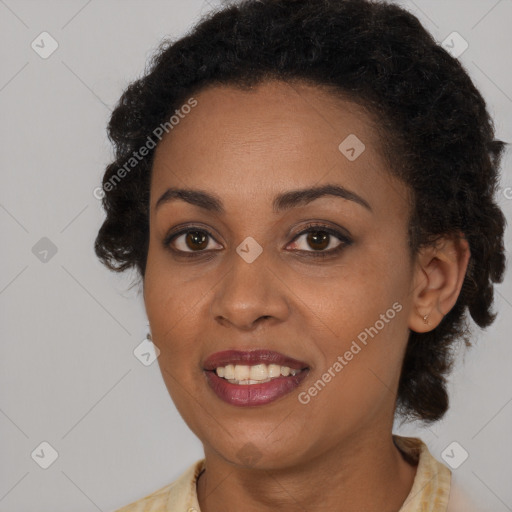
column 196, row 237
column 323, row 240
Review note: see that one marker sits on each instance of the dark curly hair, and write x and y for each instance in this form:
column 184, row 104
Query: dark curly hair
column 437, row 136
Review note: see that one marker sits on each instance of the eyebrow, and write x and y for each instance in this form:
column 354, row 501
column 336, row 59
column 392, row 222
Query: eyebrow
column 282, row 202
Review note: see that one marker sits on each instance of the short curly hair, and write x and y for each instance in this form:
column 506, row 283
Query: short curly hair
column 439, row 139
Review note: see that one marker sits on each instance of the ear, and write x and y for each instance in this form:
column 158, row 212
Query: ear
column 439, row 272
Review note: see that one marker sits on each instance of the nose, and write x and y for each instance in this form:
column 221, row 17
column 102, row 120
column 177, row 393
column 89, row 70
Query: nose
column 249, row 294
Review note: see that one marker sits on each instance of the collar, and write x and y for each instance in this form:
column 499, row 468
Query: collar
column 429, row 493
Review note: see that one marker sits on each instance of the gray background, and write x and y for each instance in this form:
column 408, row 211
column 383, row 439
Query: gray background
column 69, row 327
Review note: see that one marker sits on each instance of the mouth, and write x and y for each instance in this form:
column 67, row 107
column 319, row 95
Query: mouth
column 254, row 377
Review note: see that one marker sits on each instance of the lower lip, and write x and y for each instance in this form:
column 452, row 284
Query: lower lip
column 244, row 395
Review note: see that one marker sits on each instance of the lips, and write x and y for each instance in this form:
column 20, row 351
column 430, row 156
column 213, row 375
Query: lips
column 250, row 358
column 253, row 394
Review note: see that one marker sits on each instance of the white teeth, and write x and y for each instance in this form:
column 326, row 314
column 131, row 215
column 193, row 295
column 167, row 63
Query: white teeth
column 274, row 370
column 229, row 372
column 250, row 381
column 256, row 374
column 242, row 372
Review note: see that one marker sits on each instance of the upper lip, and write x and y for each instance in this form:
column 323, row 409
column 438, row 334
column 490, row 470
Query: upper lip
column 252, row 357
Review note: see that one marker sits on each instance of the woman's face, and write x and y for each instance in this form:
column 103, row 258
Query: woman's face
column 251, row 278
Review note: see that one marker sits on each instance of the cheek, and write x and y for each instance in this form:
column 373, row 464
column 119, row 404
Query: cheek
column 172, row 308
column 362, row 314
column 170, row 296
column 357, row 383
column 353, row 294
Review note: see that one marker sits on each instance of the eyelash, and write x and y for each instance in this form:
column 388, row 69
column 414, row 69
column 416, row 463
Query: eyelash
column 310, row 228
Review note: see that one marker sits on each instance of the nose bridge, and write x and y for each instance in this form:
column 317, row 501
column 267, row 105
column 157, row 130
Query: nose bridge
column 248, row 290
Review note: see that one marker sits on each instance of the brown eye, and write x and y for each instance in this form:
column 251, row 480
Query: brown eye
column 191, row 241
column 318, row 240
column 196, row 240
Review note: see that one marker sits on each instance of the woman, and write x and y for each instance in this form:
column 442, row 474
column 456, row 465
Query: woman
column 306, row 190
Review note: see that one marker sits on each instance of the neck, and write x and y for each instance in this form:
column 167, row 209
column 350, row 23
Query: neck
column 362, row 474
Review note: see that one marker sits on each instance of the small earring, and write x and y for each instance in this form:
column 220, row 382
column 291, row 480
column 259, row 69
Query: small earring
column 425, row 318
column 148, row 336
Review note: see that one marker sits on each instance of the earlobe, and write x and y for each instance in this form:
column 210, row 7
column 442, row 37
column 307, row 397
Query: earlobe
column 438, row 277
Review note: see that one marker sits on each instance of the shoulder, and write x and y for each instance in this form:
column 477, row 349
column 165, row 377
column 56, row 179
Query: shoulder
column 173, row 496
column 431, row 485
column 151, row 503
column 435, row 487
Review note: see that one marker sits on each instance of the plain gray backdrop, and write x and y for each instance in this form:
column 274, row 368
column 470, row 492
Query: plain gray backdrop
column 69, row 376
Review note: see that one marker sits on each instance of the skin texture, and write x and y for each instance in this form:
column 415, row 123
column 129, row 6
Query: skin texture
column 246, row 147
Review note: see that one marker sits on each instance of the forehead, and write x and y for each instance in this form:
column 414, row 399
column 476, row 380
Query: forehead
column 276, row 113
column 271, row 138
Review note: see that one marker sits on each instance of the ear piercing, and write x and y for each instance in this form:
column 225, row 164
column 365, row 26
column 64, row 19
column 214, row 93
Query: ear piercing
column 425, row 318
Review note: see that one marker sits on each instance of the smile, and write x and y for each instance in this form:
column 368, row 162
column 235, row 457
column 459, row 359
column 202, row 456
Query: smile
column 253, row 378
